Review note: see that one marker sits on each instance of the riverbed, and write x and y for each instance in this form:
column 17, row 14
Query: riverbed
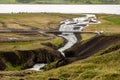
column 69, row 25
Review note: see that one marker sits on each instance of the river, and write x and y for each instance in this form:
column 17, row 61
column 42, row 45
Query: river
column 75, row 24
column 59, row 8
column 55, row 8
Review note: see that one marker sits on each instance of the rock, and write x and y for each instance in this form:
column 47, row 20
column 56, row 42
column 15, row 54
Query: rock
column 11, row 57
column 46, row 55
column 66, row 61
column 2, row 65
column 27, row 58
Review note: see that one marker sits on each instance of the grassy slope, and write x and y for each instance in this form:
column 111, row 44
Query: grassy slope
column 39, row 21
column 109, row 23
column 97, row 67
column 7, row 1
column 104, row 65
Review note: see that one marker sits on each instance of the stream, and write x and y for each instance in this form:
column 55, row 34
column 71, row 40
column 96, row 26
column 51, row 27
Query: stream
column 75, row 24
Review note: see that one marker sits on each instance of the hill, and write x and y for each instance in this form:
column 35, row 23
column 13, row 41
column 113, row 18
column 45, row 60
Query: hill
column 98, row 60
column 62, row 1
column 103, row 65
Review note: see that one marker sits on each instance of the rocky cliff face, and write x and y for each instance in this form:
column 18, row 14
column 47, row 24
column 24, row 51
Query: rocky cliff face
column 28, row 58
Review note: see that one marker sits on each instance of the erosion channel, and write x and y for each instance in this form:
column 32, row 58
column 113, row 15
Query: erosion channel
column 70, row 30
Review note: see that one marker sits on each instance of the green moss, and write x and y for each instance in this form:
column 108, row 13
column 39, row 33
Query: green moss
column 113, row 19
column 57, row 42
column 51, row 65
column 104, row 65
column 110, row 76
column 11, row 67
column 88, row 66
column 88, row 75
column 64, row 76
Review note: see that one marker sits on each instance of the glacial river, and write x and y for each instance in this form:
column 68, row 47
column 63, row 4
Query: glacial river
column 56, row 8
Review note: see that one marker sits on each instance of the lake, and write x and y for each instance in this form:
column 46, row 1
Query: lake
column 58, row 8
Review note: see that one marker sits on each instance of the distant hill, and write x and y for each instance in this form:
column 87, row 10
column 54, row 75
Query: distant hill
column 61, row 1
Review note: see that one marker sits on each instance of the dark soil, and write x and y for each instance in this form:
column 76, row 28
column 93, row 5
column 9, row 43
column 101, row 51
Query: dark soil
column 28, row 58
column 90, row 47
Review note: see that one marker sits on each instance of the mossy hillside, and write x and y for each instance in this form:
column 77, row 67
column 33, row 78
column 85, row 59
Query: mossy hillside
column 31, row 45
column 24, row 21
column 50, row 21
column 92, row 68
column 45, row 21
column 29, row 48
column 89, row 47
column 8, row 1
column 96, row 67
column 109, row 24
column 22, row 59
column 41, row 21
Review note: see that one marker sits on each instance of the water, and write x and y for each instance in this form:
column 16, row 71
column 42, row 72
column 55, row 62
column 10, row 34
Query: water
column 69, row 25
column 56, row 8
column 37, row 67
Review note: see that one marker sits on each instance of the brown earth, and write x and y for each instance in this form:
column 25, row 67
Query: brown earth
column 28, row 58
column 83, row 50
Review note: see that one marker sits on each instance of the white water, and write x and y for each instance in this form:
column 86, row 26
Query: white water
column 69, row 25
column 37, row 67
column 56, row 8
column 70, row 37
column 53, row 8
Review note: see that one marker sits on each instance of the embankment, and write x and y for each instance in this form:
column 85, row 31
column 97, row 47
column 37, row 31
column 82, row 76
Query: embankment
column 83, row 50
column 22, row 59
